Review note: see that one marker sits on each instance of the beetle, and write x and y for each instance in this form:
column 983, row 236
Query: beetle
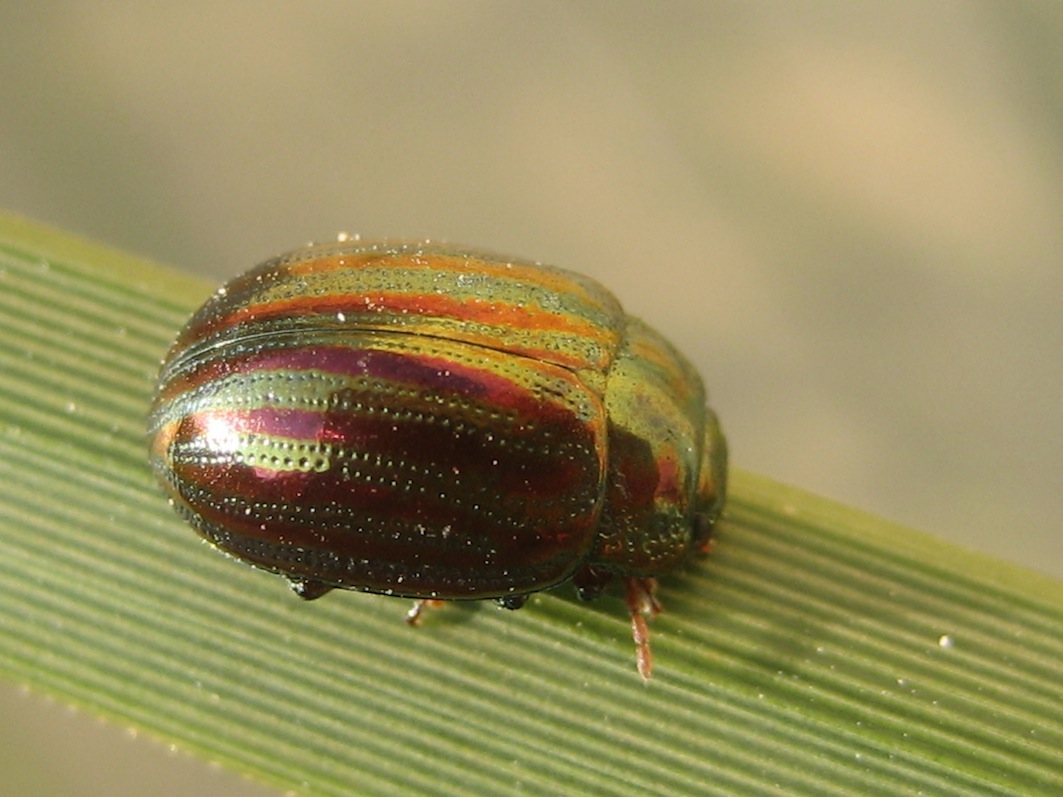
column 421, row 420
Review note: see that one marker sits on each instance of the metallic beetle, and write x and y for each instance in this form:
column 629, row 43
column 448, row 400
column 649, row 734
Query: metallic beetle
column 420, row 420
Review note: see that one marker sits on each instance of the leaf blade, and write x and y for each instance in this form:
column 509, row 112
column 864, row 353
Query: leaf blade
column 803, row 655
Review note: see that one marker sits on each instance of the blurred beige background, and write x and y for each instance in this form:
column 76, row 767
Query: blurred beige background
column 849, row 215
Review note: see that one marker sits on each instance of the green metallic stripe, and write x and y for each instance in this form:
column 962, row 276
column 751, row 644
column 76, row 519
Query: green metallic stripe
column 309, row 388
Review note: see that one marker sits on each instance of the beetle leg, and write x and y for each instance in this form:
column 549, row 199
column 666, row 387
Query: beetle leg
column 308, row 589
column 512, row 601
column 641, row 594
column 413, row 616
column 590, row 581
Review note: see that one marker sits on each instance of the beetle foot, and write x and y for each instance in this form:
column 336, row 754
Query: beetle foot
column 308, row 588
column 512, row 601
column 641, row 594
column 413, row 616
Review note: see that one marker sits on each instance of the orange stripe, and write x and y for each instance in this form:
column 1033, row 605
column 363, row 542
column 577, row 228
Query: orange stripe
column 493, row 314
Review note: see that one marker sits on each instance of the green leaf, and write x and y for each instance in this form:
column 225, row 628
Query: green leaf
column 817, row 651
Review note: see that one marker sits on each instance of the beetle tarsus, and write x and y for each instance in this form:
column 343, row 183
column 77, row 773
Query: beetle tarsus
column 413, row 616
column 641, row 595
column 512, row 601
column 308, row 588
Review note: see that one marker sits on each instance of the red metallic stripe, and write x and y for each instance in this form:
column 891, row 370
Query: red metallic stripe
column 492, row 508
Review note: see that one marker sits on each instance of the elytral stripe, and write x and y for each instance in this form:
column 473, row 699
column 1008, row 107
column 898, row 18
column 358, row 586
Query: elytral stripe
column 537, row 312
column 524, row 316
column 362, row 485
column 314, row 371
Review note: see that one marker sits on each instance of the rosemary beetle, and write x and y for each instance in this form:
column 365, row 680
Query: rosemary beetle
column 426, row 421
